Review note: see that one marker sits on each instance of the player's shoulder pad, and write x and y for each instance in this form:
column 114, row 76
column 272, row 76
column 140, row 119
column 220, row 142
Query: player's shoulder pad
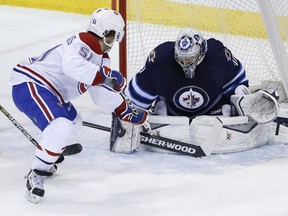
column 91, row 42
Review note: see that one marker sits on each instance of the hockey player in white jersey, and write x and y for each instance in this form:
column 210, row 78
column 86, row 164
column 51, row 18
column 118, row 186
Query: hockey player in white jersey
column 44, row 85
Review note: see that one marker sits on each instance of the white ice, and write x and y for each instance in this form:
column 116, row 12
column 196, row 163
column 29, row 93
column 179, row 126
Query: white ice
column 99, row 182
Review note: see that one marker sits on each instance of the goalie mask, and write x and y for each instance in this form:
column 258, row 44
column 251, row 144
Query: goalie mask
column 190, row 49
column 104, row 22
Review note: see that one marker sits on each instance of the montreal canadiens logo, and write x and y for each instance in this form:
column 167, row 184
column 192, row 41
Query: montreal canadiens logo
column 191, row 98
column 82, row 88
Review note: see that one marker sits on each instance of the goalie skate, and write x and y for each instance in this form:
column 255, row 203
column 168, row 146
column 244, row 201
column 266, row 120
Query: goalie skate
column 34, row 185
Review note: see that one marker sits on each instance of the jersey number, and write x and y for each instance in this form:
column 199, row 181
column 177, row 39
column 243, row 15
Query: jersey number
column 230, row 57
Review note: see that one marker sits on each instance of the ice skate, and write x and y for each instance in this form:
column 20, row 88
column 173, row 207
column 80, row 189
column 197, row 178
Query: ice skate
column 34, row 185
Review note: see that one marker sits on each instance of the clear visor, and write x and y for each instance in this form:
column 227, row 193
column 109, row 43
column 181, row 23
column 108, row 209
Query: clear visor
column 119, row 36
column 109, row 41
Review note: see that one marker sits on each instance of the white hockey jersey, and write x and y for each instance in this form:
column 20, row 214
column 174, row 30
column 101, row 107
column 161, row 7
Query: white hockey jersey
column 68, row 70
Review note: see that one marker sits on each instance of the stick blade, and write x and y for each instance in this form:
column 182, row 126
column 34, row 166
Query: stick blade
column 73, row 149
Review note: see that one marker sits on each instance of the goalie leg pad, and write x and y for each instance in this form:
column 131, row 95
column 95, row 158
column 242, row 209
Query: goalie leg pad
column 205, row 132
column 238, row 133
column 171, row 127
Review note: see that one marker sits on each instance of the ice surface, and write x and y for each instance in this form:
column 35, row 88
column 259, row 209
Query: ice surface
column 98, row 182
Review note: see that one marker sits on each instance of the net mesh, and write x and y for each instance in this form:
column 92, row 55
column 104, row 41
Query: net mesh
column 238, row 24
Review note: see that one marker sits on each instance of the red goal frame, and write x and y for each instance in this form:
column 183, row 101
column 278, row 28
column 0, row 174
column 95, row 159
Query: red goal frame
column 120, row 5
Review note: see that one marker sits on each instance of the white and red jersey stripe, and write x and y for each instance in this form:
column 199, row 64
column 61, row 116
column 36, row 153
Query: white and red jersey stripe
column 67, row 70
column 40, row 102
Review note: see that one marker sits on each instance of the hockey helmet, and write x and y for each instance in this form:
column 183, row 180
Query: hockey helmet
column 190, row 49
column 105, row 20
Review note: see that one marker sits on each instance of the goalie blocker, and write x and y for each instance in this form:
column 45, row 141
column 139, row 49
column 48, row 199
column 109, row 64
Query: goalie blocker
column 173, row 134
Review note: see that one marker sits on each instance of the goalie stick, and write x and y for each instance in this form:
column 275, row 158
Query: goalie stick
column 171, row 145
column 151, row 140
column 69, row 150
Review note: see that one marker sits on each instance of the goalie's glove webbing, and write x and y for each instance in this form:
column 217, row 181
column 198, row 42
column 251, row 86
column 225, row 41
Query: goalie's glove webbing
column 262, row 106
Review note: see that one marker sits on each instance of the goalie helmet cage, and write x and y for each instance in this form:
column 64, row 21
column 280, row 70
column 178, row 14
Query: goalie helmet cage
column 256, row 31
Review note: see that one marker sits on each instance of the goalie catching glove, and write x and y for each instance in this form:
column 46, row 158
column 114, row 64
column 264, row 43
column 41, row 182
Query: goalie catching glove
column 125, row 113
column 110, row 79
column 262, row 106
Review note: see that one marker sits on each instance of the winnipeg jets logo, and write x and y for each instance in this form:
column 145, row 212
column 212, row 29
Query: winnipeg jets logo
column 185, row 43
column 190, row 98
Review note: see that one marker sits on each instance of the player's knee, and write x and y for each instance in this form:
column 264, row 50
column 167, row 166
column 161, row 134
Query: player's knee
column 62, row 128
column 57, row 134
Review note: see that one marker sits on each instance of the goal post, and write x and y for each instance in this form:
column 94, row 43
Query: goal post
column 276, row 23
column 256, row 31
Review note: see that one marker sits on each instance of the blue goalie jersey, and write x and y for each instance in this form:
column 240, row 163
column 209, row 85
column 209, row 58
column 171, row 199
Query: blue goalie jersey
column 215, row 80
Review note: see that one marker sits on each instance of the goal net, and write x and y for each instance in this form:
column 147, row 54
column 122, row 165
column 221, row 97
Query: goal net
column 256, row 31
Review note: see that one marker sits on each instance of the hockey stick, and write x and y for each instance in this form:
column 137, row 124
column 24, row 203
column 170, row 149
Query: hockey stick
column 171, row 145
column 96, row 126
column 69, row 150
column 160, row 142
column 18, row 126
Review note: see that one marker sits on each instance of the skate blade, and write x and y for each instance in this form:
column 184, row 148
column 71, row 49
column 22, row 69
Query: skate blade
column 32, row 197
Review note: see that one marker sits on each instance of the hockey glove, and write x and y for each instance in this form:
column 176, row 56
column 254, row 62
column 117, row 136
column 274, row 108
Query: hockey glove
column 110, row 79
column 125, row 113
column 262, row 106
